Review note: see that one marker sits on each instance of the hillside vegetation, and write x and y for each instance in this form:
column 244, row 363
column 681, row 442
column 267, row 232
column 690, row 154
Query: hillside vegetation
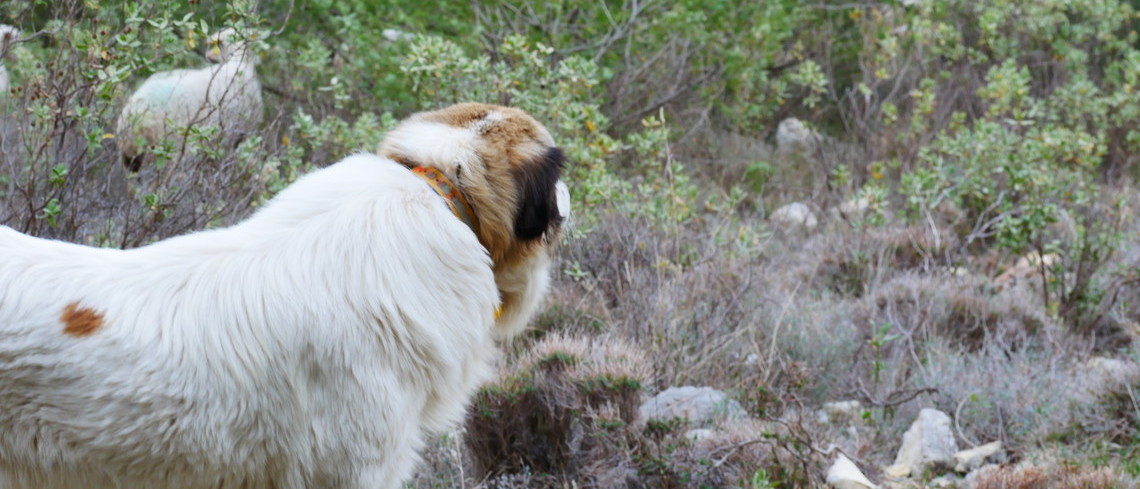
column 938, row 142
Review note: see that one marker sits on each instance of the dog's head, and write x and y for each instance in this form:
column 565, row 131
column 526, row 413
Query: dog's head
column 503, row 161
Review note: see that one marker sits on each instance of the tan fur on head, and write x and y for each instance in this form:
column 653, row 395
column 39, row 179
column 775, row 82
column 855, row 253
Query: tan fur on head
column 492, row 154
column 507, row 166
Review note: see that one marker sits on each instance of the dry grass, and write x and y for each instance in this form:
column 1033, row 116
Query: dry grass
column 565, row 415
column 960, row 309
column 884, row 315
column 852, row 262
column 561, row 409
column 1062, row 477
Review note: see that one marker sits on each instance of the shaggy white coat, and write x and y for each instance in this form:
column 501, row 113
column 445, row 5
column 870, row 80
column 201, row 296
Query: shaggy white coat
column 311, row 346
column 226, row 95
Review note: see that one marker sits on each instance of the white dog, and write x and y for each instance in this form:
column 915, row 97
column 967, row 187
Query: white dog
column 314, row 345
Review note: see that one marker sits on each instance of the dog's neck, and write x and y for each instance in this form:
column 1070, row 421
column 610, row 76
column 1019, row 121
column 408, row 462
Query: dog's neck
column 521, row 280
column 455, row 201
column 450, row 194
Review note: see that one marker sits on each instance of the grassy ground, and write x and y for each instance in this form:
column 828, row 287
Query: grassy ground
column 789, row 319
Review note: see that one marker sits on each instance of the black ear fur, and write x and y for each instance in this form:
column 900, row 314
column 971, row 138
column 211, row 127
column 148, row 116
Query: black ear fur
column 538, row 206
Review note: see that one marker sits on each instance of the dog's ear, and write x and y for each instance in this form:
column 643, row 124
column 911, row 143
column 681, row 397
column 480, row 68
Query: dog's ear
column 538, row 200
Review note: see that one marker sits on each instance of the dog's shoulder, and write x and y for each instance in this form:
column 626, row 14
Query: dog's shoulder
column 366, row 196
column 360, row 179
column 359, row 175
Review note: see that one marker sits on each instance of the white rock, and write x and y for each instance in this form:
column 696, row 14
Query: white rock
column 943, row 481
column 394, row 35
column 700, row 434
column 701, row 406
column 851, row 209
column 794, row 215
column 844, row 474
column 842, row 410
column 967, row 460
column 929, row 441
column 793, row 136
column 839, row 412
column 971, row 479
column 897, row 471
column 1111, row 368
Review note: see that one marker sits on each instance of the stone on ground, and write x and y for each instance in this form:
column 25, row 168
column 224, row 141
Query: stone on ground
column 794, row 215
column 928, row 442
column 844, row 474
column 702, row 407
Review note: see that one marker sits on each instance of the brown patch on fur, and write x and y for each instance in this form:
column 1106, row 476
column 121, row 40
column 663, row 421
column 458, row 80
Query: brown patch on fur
column 515, row 134
column 459, row 115
column 80, row 321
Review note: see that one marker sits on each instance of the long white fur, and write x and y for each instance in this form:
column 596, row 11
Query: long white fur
column 314, row 345
column 447, row 148
column 226, row 95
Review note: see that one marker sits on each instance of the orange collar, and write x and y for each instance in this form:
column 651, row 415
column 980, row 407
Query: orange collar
column 455, row 201
column 451, row 196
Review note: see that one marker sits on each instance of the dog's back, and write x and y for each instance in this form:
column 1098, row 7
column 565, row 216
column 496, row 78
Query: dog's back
column 331, row 329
